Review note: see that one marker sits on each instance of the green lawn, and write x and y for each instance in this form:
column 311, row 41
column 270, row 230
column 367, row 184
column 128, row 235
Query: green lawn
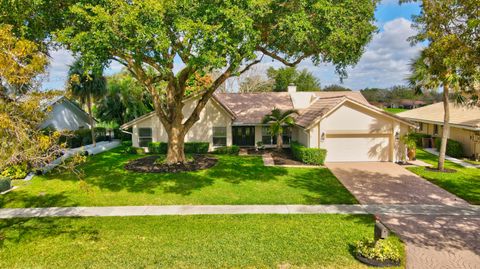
column 223, row 241
column 234, row 180
column 465, row 183
column 395, row 110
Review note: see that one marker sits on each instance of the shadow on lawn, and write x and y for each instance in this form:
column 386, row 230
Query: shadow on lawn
column 107, row 171
column 20, row 230
column 20, row 198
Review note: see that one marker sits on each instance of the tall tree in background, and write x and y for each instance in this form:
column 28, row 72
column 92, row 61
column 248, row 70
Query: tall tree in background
column 452, row 59
column 335, row 88
column 124, row 101
column 86, row 87
column 231, row 36
column 282, row 77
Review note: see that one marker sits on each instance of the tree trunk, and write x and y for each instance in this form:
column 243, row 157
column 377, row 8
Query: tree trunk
column 445, row 131
column 176, row 138
column 92, row 123
column 279, row 142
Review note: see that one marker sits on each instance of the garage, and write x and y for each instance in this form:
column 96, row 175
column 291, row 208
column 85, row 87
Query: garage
column 357, row 148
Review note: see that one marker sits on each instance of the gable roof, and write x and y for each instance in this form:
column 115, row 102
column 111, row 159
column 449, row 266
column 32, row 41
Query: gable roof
column 460, row 115
column 323, row 107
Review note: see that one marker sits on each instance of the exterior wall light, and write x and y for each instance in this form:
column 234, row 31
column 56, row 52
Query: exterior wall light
column 397, row 136
column 322, row 136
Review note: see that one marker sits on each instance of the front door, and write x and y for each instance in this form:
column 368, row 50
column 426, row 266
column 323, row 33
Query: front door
column 243, row 136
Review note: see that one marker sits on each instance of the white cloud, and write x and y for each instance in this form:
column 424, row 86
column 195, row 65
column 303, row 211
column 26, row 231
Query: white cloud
column 385, row 62
column 57, row 70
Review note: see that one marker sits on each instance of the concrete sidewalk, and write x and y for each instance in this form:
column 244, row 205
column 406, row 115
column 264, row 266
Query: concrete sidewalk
column 429, row 210
column 453, row 160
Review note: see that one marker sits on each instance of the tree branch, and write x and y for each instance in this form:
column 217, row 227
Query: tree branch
column 280, row 59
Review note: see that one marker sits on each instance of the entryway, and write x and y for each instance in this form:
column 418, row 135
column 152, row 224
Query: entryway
column 243, row 136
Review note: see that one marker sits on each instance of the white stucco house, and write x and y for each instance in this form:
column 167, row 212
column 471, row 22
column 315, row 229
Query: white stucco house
column 343, row 123
column 64, row 115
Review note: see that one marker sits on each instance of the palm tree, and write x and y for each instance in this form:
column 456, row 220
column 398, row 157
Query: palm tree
column 86, row 86
column 278, row 119
column 427, row 73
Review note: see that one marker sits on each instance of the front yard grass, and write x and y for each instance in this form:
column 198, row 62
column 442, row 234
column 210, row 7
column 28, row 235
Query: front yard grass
column 465, row 183
column 220, row 241
column 234, row 180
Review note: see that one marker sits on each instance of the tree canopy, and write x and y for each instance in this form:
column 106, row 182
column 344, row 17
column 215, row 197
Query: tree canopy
column 173, row 41
column 282, row 77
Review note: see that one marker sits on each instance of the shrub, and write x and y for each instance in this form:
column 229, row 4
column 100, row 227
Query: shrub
column 418, row 137
column 133, row 150
column 196, row 147
column 18, row 171
column 231, row 150
column 308, row 155
column 382, row 250
column 157, row 147
column 127, row 143
column 5, row 184
column 454, row 148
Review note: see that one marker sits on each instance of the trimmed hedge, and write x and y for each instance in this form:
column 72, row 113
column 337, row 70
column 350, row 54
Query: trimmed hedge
column 189, row 147
column 454, row 148
column 308, row 155
column 133, row 150
column 5, row 184
column 231, row 150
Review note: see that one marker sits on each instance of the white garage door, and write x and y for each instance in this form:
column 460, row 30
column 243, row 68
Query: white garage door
column 357, row 148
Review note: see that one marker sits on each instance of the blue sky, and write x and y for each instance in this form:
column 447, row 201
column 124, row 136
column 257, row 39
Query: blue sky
column 384, row 63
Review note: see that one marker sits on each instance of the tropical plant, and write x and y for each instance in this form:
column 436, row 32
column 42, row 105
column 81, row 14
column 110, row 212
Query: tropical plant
column 452, row 59
column 381, row 250
column 278, row 120
column 86, row 86
column 124, row 101
column 178, row 40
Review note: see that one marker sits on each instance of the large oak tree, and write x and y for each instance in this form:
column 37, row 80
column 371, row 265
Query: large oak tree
column 171, row 42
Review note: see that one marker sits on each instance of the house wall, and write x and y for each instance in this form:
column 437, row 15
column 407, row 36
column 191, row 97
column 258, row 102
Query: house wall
column 351, row 120
column 66, row 116
column 458, row 134
column 202, row 131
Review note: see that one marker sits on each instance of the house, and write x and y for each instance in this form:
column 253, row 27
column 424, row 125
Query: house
column 64, row 115
column 344, row 123
column 411, row 104
column 464, row 124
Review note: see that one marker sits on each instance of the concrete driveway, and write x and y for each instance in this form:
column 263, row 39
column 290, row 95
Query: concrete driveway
column 432, row 241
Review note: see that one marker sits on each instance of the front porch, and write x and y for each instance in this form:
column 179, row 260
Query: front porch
column 248, row 136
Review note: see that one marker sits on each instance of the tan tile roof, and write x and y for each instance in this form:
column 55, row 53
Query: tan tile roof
column 459, row 115
column 355, row 95
column 317, row 109
column 250, row 108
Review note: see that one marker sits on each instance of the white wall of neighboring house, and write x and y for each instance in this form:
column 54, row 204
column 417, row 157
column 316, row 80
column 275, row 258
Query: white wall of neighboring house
column 64, row 115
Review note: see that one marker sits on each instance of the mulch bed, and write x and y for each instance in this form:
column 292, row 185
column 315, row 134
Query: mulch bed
column 283, row 157
column 445, row 170
column 148, row 165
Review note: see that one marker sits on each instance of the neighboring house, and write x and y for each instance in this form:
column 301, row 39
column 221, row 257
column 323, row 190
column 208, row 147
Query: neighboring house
column 411, row 104
column 344, row 123
column 464, row 124
column 64, row 115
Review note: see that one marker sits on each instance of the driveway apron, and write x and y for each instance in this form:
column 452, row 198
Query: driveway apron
column 432, row 241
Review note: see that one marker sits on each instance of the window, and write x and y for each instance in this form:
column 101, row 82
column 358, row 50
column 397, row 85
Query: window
column 219, row 136
column 144, row 137
column 268, row 139
column 435, row 129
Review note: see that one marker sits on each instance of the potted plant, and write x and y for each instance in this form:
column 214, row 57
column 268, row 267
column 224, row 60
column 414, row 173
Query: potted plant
column 411, row 143
column 380, row 253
